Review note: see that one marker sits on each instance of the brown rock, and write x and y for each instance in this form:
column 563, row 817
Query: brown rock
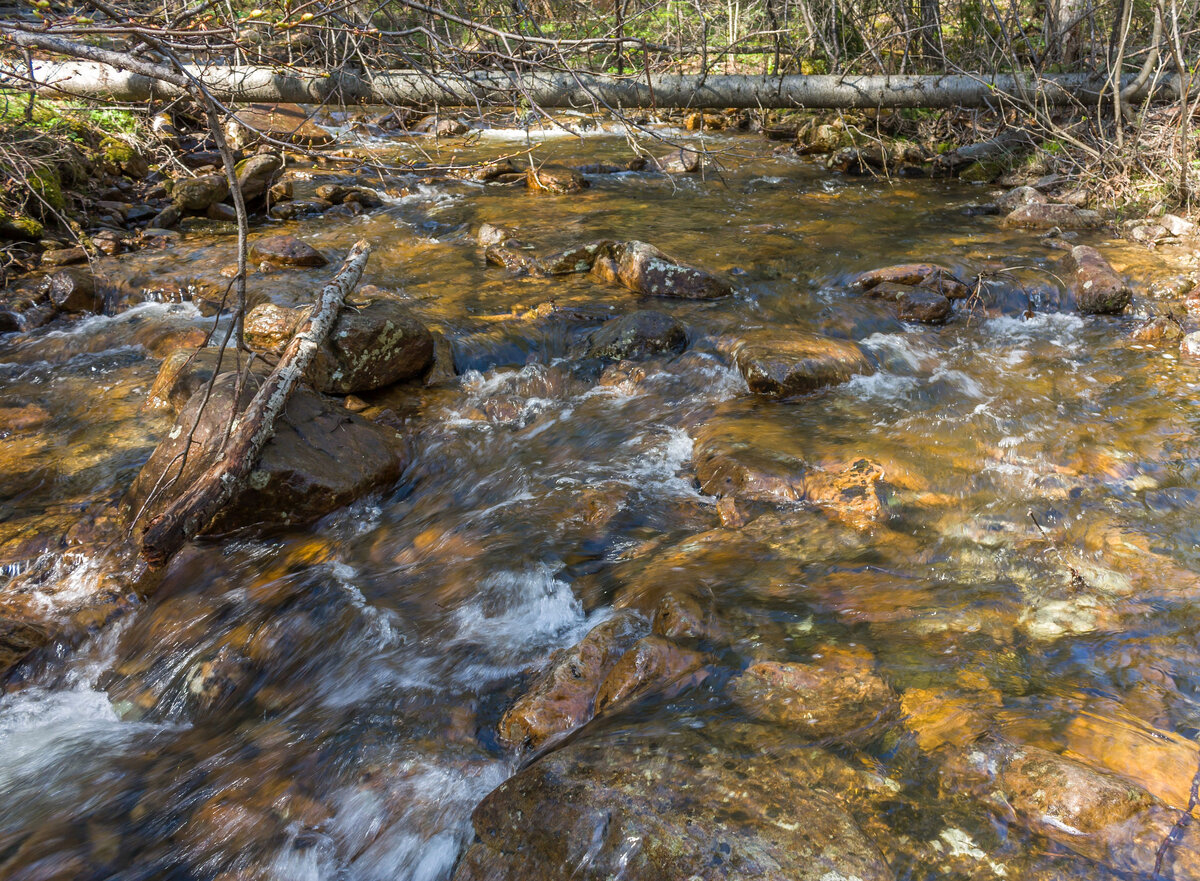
column 372, row 346
column 1096, row 286
column 255, row 174
column 681, row 614
column 286, row 251
column 510, row 259
column 282, row 122
column 269, row 327
column 1018, row 196
column 1162, row 329
column 928, row 275
column 645, row 269
column 555, row 179
column 798, row 363
column 563, row 697
column 64, row 257
column 185, row 371
column 320, row 458
column 637, row 336
column 74, row 289
column 653, row 803
column 196, row 194
column 679, row 161
column 1047, row 215
column 837, row 695
column 578, row 259
column 652, row 664
column 852, row 495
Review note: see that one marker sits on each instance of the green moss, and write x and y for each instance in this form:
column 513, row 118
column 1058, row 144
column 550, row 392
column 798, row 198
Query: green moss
column 117, row 151
column 16, row 227
column 984, row 170
column 46, row 184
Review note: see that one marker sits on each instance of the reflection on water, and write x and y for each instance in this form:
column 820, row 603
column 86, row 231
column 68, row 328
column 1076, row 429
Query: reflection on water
column 324, row 703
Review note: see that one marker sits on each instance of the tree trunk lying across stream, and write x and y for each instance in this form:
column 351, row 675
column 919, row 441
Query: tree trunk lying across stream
column 88, row 79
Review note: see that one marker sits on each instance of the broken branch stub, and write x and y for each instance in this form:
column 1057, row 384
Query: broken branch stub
column 189, row 514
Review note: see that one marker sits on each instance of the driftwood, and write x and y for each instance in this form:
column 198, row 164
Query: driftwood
column 189, row 514
column 141, row 81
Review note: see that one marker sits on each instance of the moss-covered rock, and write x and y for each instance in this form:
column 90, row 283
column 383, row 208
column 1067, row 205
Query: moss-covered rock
column 984, row 171
column 46, row 185
column 117, row 151
column 17, row 228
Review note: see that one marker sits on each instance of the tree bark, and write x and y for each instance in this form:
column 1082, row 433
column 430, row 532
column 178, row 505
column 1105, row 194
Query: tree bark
column 195, row 509
column 87, row 79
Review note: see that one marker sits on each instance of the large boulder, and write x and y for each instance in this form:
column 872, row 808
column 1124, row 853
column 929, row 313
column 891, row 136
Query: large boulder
column 643, row 268
column 321, row 458
column 800, row 362
column 75, row 289
column 370, row 346
column 1096, row 286
column 637, row 336
column 678, row 161
column 195, row 195
column 670, row 804
column 836, row 695
column 286, row 251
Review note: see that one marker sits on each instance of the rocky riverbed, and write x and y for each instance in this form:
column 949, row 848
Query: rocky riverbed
column 743, row 520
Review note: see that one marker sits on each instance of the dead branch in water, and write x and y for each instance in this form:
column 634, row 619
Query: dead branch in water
column 189, row 514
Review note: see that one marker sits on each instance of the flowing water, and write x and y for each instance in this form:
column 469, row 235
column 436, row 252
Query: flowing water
column 361, row 665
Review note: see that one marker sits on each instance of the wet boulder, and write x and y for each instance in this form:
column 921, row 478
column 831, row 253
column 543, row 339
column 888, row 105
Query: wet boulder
column 647, row 270
column 1096, row 286
column 490, row 234
column 798, row 363
column 285, row 251
column 269, row 327
column 836, row 695
column 371, row 345
column 1047, row 215
column 581, row 258
column 554, row 179
column 653, row 802
column 64, row 257
column 678, row 161
column 256, row 174
column 563, row 697
column 75, row 289
column 321, row 458
column 184, row 371
column 654, row 663
column 194, row 195
column 914, row 303
column 927, row 275
column 1189, row 347
column 638, row 336
column 511, row 259
column 1161, row 329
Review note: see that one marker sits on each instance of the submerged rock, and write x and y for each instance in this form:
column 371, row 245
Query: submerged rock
column 74, row 289
column 798, row 363
column 669, row 805
column 286, row 251
column 1096, row 286
column 637, row 336
column 320, row 458
column 652, row 664
column 836, row 695
column 643, row 268
column 578, row 259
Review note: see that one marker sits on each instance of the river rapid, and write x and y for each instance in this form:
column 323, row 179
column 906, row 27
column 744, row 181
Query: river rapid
column 324, row 702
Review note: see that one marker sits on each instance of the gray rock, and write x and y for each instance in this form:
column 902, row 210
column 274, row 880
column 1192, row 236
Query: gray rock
column 800, row 362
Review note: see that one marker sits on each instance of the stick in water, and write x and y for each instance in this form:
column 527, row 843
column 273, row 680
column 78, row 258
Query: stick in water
column 223, row 480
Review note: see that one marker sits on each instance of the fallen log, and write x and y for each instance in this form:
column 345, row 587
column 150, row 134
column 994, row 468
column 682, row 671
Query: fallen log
column 192, row 511
column 95, row 80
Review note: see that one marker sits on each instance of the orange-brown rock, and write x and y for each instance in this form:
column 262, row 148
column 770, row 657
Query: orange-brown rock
column 652, row 664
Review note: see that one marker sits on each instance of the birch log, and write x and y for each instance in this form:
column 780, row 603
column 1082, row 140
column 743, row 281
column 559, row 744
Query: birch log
column 96, row 80
column 189, row 514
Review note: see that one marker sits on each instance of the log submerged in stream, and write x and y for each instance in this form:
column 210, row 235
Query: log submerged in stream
column 90, row 79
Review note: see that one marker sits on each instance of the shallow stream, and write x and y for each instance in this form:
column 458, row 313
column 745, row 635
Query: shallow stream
column 374, row 653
